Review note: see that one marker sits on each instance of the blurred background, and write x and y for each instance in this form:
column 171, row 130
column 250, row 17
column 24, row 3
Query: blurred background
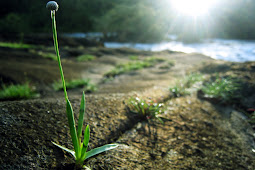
column 143, row 21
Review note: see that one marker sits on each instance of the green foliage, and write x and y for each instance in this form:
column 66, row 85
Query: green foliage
column 144, row 20
column 15, row 45
column 80, row 147
column 16, row 92
column 223, row 89
column 154, row 59
column 13, row 23
column 184, row 86
column 146, row 109
column 192, row 79
column 131, row 66
column 133, row 57
column 178, row 90
column 132, row 21
column 77, row 83
column 86, row 57
column 50, row 56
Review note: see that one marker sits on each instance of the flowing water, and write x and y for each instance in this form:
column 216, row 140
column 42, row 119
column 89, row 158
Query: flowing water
column 229, row 50
column 222, row 49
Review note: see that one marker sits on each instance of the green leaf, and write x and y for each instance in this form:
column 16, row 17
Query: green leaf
column 71, row 123
column 100, row 150
column 85, row 142
column 81, row 117
column 65, row 149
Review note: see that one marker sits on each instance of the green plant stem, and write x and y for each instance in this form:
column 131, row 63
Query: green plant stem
column 54, row 29
column 69, row 109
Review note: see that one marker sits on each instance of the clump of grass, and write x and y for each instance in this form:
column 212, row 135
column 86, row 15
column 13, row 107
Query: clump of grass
column 155, row 59
column 80, row 152
column 15, row 45
column 223, row 89
column 183, row 87
column 133, row 57
column 130, row 66
column 77, row 83
column 178, row 90
column 193, row 78
column 50, row 56
column 86, row 57
column 146, row 109
column 12, row 92
column 171, row 63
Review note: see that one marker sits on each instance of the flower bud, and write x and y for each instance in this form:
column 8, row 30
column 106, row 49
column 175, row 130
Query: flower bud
column 52, row 5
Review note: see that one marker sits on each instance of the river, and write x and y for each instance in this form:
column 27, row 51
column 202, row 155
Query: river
column 229, row 50
column 222, row 49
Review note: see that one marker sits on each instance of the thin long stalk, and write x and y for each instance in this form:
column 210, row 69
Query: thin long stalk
column 69, row 109
column 54, row 29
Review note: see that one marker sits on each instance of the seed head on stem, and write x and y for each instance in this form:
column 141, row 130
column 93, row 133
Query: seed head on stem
column 52, row 5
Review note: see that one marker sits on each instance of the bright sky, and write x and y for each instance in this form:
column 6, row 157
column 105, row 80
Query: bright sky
column 194, row 8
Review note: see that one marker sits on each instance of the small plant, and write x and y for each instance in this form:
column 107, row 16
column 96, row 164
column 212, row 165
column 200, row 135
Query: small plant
column 131, row 66
column 85, row 57
column 154, row 59
column 223, row 89
column 15, row 45
column 16, row 92
column 50, row 56
column 178, row 90
column 184, row 87
column 134, row 65
column 146, row 109
column 77, row 83
column 80, row 148
column 133, row 57
column 193, row 78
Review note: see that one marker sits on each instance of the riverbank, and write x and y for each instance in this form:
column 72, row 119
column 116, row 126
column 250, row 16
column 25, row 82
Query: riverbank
column 197, row 132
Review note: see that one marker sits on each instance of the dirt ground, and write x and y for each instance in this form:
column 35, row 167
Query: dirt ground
column 196, row 134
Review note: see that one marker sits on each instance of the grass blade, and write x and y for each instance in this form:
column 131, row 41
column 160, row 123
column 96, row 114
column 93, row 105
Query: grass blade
column 100, row 150
column 81, row 117
column 71, row 123
column 65, row 149
column 85, row 142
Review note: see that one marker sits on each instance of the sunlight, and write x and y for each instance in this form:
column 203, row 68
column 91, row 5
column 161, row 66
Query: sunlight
column 194, row 8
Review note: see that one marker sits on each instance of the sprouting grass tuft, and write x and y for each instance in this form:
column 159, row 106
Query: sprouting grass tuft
column 184, row 86
column 86, row 57
column 50, row 56
column 77, row 83
column 224, row 89
column 155, row 59
column 146, row 108
column 15, row 45
column 134, row 65
column 133, row 57
column 12, row 92
column 131, row 66
column 178, row 90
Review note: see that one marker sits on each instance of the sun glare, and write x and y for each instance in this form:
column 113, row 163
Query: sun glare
column 194, row 8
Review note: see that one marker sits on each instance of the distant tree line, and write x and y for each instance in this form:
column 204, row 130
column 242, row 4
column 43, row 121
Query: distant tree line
column 131, row 20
